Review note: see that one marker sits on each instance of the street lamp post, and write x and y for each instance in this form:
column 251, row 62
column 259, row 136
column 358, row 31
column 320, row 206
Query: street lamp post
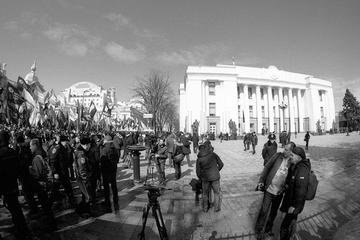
column 283, row 106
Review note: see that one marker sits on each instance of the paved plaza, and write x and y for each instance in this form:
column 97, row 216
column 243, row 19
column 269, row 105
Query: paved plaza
column 333, row 214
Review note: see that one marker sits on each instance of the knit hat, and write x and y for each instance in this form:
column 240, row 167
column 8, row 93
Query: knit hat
column 272, row 137
column 299, row 151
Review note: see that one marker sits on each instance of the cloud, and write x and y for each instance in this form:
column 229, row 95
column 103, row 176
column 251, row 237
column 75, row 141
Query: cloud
column 121, row 21
column 122, row 54
column 14, row 26
column 200, row 54
column 71, row 39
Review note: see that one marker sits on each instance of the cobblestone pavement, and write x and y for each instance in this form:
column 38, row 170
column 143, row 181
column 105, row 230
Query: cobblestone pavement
column 332, row 214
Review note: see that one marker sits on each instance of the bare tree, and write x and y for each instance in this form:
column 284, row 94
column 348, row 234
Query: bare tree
column 157, row 97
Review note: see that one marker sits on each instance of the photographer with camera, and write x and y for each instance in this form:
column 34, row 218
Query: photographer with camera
column 272, row 183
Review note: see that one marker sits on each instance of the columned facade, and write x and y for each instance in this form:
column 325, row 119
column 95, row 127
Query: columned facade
column 252, row 98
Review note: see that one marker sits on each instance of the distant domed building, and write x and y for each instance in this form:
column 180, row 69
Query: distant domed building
column 87, row 92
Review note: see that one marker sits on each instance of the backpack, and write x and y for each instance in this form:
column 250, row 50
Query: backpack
column 312, row 186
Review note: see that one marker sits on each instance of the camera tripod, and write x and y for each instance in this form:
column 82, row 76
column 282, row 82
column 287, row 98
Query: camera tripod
column 153, row 194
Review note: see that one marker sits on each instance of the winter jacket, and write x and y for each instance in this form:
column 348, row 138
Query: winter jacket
column 117, row 142
column 82, row 164
column 296, row 186
column 9, row 170
column 38, row 170
column 268, row 151
column 208, row 165
column 270, row 169
column 109, row 158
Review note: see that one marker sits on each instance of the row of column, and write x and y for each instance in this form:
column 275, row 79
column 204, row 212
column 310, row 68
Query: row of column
column 270, row 104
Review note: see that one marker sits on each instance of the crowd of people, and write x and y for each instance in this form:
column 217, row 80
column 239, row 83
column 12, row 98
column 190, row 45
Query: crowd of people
column 42, row 162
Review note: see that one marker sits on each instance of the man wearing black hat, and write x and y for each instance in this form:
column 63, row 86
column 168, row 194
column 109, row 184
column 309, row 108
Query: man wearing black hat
column 83, row 172
column 9, row 172
column 269, row 149
column 294, row 200
column 59, row 166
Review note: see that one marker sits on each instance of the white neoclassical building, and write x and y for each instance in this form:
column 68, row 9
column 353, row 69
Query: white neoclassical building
column 255, row 98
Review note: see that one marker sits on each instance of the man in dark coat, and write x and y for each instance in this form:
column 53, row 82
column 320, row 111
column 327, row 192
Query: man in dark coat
column 195, row 140
column 247, row 141
column 306, row 139
column 83, row 172
column 272, row 183
column 58, row 162
column 109, row 159
column 25, row 157
column 294, row 200
column 269, row 149
column 208, row 166
column 254, row 141
column 9, row 172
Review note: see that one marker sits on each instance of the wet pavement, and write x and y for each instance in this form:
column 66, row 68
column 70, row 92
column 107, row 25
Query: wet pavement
column 332, row 214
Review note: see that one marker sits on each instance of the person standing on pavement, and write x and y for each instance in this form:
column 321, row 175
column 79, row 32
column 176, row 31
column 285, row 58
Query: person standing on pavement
column 159, row 153
column 195, row 141
column 177, row 157
column 247, row 141
column 254, row 141
column 170, row 147
column 58, row 161
column 269, row 149
column 186, row 148
column 83, row 172
column 109, row 159
column 39, row 172
column 272, row 183
column 306, row 139
column 208, row 167
column 9, row 172
column 94, row 160
column 294, row 199
column 25, row 157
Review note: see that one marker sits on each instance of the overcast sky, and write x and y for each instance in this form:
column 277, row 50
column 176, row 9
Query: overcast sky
column 113, row 42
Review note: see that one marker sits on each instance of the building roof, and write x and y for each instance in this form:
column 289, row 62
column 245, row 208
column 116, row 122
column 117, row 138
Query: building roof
column 270, row 73
column 84, row 85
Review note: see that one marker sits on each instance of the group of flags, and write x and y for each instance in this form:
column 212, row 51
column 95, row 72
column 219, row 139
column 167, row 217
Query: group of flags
column 31, row 105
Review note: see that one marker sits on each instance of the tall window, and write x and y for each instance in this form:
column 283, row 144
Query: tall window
column 211, row 88
column 322, row 111
column 251, row 112
column 320, row 96
column 263, row 111
column 212, row 109
column 274, row 111
column 273, row 94
column 238, row 91
column 250, row 92
column 262, row 93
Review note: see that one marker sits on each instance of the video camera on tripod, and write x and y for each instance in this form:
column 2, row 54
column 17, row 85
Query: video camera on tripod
column 153, row 193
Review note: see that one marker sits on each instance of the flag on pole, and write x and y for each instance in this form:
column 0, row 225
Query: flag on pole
column 72, row 115
column 92, row 110
column 107, row 110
